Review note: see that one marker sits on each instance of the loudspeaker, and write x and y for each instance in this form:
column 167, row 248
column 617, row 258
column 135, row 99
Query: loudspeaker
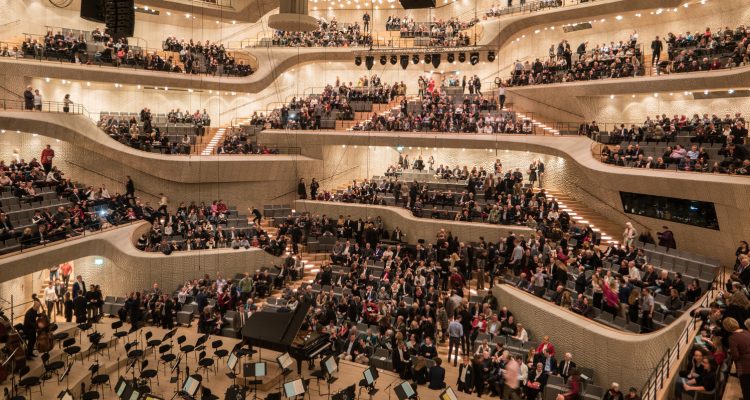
column 92, row 10
column 369, row 61
column 383, row 60
column 436, row 60
column 405, row 61
column 119, row 15
column 411, row 4
column 358, row 61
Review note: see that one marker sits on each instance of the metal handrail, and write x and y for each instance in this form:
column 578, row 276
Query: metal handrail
column 661, row 374
column 46, row 106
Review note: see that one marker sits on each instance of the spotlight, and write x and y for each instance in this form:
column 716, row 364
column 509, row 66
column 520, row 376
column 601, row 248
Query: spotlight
column 405, row 61
column 369, row 61
column 436, row 60
column 358, row 61
column 428, row 58
column 462, row 57
column 383, row 60
column 474, row 58
column 394, row 59
column 491, row 56
column 451, row 57
column 415, row 59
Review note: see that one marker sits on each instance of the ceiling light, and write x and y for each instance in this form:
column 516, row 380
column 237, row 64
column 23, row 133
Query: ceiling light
column 619, row 17
column 611, row 96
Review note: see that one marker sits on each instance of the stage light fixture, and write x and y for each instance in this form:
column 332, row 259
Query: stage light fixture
column 474, row 58
column 394, row 59
column 462, row 57
column 358, row 61
column 415, row 59
column 451, row 57
column 491, row 56
column 383, row 60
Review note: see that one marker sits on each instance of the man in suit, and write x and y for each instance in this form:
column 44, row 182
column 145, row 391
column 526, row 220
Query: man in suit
column 465, row 375
column 436, row 375
column 547, row 360
column 656, row 47
column 351, row 348
column 29, row 328
column 79, row 287
column 566, row 366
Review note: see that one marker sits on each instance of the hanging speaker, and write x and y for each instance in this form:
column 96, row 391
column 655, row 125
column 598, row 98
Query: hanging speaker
column 119, row 16
column 491, row 56
column 462, row 57
column 428, row 58
column 358, row 61
column 369, row 61
column 383, row 60
column 436, row 60
column 474, row 58
column 93, row 10
column 451, row 57
column 415, row 59
column 394, row 59
column 404, row 61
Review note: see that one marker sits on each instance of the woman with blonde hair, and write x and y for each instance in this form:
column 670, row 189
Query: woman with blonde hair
column 629, row 234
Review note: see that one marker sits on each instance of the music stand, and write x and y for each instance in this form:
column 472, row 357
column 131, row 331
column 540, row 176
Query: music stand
column 294, row 388
column 120, row 387
column 330, row 366
column 152, row 396
column 448, row 394
column 169, row 335
column 232, row 361
column 404, row 391
column 191, row 386
column 254, row 370
column 370, row 375
column 65, row 395
column 285, row 363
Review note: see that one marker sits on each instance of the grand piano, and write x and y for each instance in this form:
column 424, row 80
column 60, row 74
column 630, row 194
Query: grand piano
column 279, row 330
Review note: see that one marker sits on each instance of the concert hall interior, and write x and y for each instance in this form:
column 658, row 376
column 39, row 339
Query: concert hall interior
column 374, row 199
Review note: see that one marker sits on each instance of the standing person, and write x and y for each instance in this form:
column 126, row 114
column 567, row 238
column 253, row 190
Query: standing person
column 50, row 299
column 257, row 217
column 540, row 171
column 60, row 291
column 129, row 189
column 301, row 189
column 501, row 94
column 28, row 98
column 79, row 287
column 511, row 373
column 477, row 85
column 739, row 349
column 455, row 333
column 463, row 85
column 629, row 235
column 666, row 238
column 47, row 155
column 163, row 203
column 656, row 47
column 314, row 186
column 37, row 100
column 65, row 270
column 366, row 21
column 29, row 328
column 647, row 310
column 68, row 306
column 67, row 102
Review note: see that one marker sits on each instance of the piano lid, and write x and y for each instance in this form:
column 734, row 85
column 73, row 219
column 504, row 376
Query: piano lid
column 274, row 327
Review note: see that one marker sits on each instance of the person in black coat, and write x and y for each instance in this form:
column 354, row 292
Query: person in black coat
column 80, row 306
column 465, row 379
column 167, row 320
column 301, row 190
column 68, row 306
column 436, row 376
column 536, row 382
column 28, row 98
column 29, row 328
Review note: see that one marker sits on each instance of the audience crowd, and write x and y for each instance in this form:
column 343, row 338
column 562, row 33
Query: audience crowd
column 206, row 57
column 447, row 33
column 328, row 34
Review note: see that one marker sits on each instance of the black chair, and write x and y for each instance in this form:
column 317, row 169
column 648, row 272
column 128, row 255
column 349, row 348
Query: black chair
column 205, row 363
column 152, row 343
column 207, row 395
column 60, row 337
column 148, row 374
column 50, row 367
column 98, row 380
column 118, row 334
column 92, row 395
column 29, row 382
column 167, row 357
column 219, row 353
column 186, row 349
column 72, row 351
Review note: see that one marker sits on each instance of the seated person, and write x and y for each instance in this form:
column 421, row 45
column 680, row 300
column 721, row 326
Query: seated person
column 436, row 375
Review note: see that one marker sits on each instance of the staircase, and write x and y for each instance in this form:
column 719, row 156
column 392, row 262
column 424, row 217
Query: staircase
column 582, row 215
column 206, row 149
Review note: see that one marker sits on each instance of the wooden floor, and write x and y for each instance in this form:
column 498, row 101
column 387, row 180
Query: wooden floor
column 113, row 362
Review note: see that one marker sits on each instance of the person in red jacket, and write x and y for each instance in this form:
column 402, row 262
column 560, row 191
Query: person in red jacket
column 47, row 155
